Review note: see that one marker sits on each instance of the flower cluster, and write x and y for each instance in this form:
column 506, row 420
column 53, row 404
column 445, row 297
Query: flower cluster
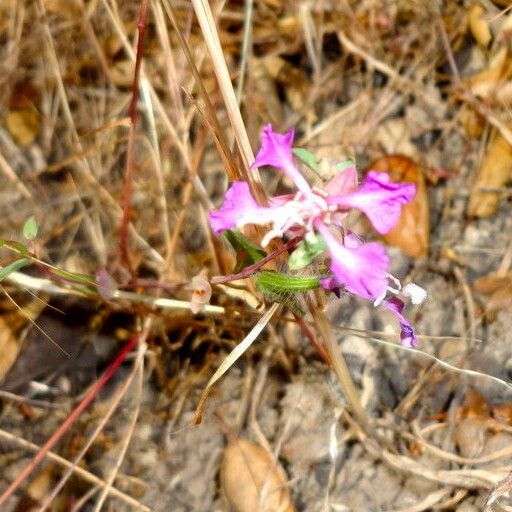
column 357, row 267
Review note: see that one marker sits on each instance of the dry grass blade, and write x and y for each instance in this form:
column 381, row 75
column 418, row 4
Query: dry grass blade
column 70, row 420
column 500, row 489
column 233, row 356
column 113, row 407
column 207, row 23
column 77, row 470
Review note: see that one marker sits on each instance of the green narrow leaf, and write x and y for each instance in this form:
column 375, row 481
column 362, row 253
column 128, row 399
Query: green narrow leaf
column 308, row 158
column 69, row 276
column 15, row 246
column 247, row 252
column 306, row 252
column 14, row 266
column 30, row 228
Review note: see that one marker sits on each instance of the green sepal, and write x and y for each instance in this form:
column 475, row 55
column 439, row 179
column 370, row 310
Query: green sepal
column 345, row 164
column 14, row 266
column 306, row 252
column 247, row 252
column 308, row 158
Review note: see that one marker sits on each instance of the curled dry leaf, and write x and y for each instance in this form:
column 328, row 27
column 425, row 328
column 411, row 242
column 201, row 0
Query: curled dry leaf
column 252, row 481
column 492, row 175
column 411, row 233
column 478, row 25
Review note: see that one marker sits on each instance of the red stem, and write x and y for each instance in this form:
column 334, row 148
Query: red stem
column 92, row 393
column 133, row 114
column 248, row 271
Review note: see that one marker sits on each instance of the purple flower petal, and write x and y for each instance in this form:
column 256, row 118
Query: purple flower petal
column 362, row 269
column 379, row 198
column 407, row 336
column 276, row 150
column 238, row 203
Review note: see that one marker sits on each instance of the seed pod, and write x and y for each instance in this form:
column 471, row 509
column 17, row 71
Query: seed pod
column 201, row 292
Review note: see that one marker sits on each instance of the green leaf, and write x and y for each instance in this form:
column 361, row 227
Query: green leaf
column 70, row 276
column 14, row 266
column 15, row 246
column 308, row 158
column 306, row 252
column 247, row 252
column 30, row 228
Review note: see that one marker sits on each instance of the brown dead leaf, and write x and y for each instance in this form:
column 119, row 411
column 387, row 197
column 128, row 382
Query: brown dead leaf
column 23, row 125
column 493, row 173
column 252, row 482
column 9, row 348
column 492, row 282
column 503, row 413
column 474, row 405
column 478, row 25
column 411, row 233
column 499, row 290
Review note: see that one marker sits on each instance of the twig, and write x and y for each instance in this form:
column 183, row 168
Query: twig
column 133, row 114
column 132, row 423
column 113, row 407
column 56, row 436
column 82, row 473
column 37, row 284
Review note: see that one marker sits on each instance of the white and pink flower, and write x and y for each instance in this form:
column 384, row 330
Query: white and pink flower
column 361, row 269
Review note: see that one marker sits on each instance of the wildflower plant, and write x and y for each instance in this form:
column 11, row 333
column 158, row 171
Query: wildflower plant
column 314, row 219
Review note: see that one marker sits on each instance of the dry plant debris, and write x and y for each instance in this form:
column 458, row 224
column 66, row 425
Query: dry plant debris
column 251, row 479
column 421, row 89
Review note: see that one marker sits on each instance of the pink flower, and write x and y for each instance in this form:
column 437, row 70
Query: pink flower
column 238, row 203
column 361, row 268
column 276, row 150
column 396, row 306
column 379, row 198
